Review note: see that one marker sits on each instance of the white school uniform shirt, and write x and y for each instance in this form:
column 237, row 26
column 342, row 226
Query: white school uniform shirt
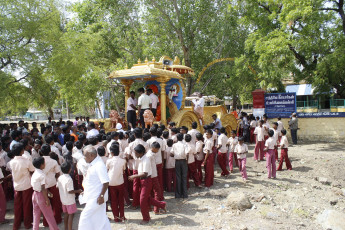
column 1, row 176
column 144, row 101
column 208, row 145
column 260, row 133
column 65, row 184
column 123, row 145
column 266, row 125
column 199, row 149
column 109, row 145
column 174, row 138
column 54, row 149
column 131, row 101
column 191, row 152
column 284, row 141
column 13, row 143
column 241, row 151
column 82, row 167
column 77, row 154
column 158, row 155
column 154, row 100
column 280, row 127
column 151, row 156
column 27, row 155
column 115, row 167
column 57, row 145
column 179, row 151
column 193, row 133
column 92, row 133
column 64, row 150
column 275, row 135
column 34, row 154
column 232, row 142
column 222, row 140
column 130, row 162
column 132, row 147
column 37, row 180
column 96, row 176
column 270, row 143
column 253, row 124
column 169, row 160
column 145, row 165
column 3, row 162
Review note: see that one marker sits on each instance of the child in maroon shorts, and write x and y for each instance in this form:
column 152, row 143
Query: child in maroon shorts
column 67, row 195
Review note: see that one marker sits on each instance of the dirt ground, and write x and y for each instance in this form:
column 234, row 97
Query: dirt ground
column 292, row 201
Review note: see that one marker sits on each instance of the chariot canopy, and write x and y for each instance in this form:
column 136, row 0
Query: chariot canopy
column 165, row 74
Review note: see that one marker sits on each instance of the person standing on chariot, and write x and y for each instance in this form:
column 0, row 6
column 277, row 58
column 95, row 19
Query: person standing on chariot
column 199, row 107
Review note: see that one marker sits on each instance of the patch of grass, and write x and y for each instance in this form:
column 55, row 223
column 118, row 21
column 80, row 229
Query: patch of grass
column 301, row 212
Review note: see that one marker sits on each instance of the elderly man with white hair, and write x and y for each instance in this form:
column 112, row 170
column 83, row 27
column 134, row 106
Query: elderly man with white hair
column 95, row 195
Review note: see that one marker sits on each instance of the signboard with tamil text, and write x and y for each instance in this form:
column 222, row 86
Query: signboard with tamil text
column 280, row 104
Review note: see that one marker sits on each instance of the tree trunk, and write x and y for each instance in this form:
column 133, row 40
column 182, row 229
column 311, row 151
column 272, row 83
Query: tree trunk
column 234, row 102
column 51, row 113
column 99, row 109
column 116, row 104
column 188, row 62
column 67, row 110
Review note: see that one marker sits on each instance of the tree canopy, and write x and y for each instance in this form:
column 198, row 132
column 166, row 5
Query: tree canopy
column 52, row 53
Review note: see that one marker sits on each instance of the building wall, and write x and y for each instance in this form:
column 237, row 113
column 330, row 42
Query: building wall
column 327, row 129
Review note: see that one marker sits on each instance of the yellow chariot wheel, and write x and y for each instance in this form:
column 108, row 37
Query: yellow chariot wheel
column 186, row 118
column 229, row 122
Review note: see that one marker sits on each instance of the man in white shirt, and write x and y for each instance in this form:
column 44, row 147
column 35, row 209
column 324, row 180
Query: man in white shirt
column 144, row 103
column 222, row 151
column 217, row 123
column 199, row 107
column 131, row 108
column 155, row 101
column 95, row 195
column 193, row 132
column 260, row 141
column 179, row 151
column 93, row 131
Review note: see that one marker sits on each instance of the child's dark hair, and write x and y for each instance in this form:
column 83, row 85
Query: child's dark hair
column 146, row 136
column 69, row 145
column 138, row 133
column 115, row 148
column 222, row 130
column 270, row 133
column 194, row 125
column 49, row 139
column 131, row 138
column 155, row 145
column 187, row 138
column 81, row 137
column 101, row 151
column 209, row 131
column 184, row 128
column 93, row 141
column 199, row 136
column 170, row 142
column 121, row 136
column 275, row 123
column 54, row 156
column 166, row 134
column 78, row 144
column 159, row 132
column 65, row 167
column 17, row 149
column 180, row 137
column 279, row 118
column 114, row 134
column 140, row 149
column 241, row 139
column 153, row 131
column 233, row 132
column 283, row 132
column 45, row 150
column 162, row 127
column 172, row 124
column 175, row 130
column 262, row 122
column 38, row 162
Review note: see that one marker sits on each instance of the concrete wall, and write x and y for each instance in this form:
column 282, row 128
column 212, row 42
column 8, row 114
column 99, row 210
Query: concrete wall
column 327, row 129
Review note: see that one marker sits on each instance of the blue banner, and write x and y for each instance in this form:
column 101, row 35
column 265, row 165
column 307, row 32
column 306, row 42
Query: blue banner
column 321, row 114
column 280, row 104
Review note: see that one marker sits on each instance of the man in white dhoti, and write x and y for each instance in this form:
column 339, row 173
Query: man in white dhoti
column 199, row 107
column 95, row 193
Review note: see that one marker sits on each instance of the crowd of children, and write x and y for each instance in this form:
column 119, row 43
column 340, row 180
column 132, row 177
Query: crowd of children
column 43, row 171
